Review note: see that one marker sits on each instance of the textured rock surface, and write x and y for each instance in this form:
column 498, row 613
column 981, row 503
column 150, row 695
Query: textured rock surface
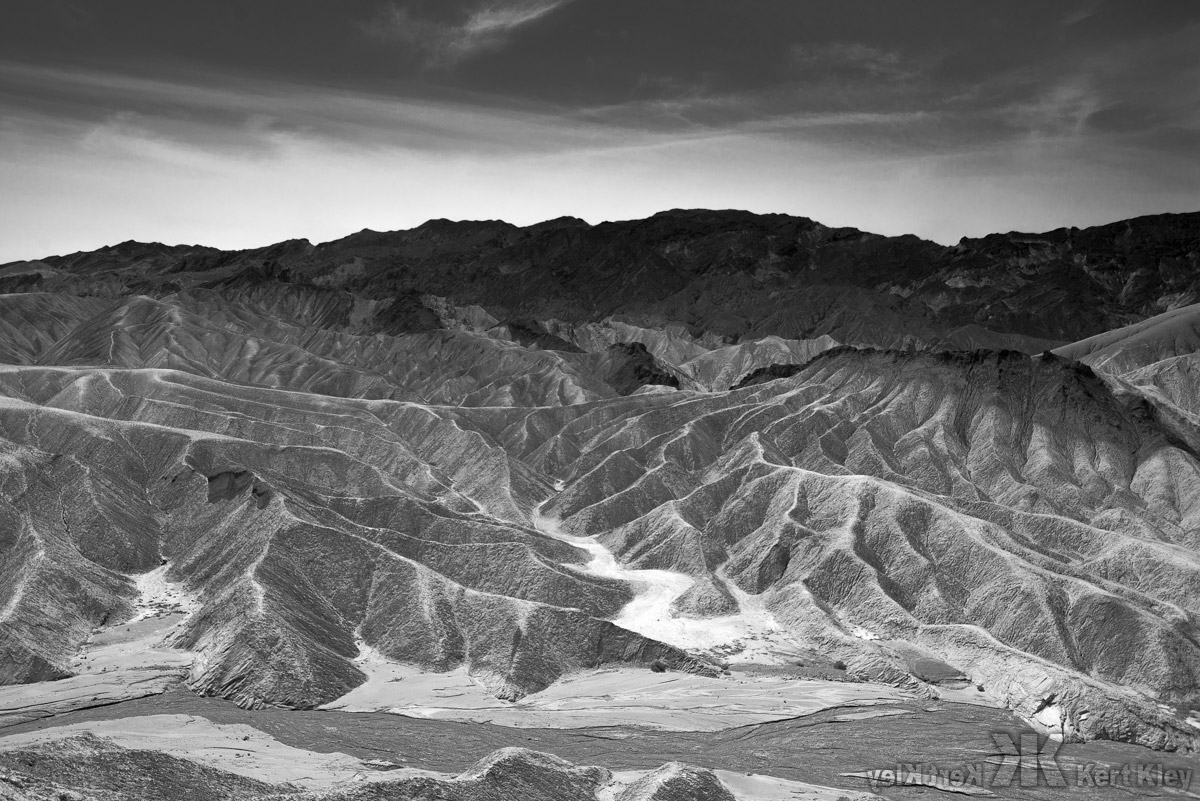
column 721, row 275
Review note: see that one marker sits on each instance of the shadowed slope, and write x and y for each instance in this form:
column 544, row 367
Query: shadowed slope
column 724, row 274
column 30, row 324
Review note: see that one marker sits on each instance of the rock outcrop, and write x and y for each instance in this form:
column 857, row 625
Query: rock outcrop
column 677, row 782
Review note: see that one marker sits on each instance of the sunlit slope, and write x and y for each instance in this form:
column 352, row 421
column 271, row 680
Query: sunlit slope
column 1160, row 355
column 1171, row 334
column 301, row 522
column 1011, row 516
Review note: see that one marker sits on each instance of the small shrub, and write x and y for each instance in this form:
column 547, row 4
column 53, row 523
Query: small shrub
column 839, row 665
column 658, row 666
column 979, row 687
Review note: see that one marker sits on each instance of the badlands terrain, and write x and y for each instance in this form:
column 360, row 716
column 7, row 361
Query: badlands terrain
column 705, row 506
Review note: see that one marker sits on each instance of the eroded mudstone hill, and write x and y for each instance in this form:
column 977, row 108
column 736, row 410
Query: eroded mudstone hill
column 1013, row 516
column 1010, row 517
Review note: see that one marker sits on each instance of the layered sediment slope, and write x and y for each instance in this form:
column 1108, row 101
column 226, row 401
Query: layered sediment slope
column 298, row 521
column 1011, row 518
column 1160, row 355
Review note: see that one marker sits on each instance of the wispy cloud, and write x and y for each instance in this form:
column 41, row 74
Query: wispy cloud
column 485, row 28
column 945, row 139
column 70, row 13
column 1079, row 14
column 1060, row 109
column 252, row 118
column 853, row 55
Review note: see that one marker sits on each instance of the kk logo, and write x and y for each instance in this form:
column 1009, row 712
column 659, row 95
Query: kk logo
column 1029, row 758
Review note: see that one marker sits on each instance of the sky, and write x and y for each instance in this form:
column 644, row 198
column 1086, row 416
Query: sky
column 239, row 123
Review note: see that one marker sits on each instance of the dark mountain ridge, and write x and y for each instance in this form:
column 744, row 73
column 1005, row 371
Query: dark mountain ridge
column 735, row 274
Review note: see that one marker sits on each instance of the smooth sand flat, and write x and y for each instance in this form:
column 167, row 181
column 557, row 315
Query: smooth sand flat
column 611, row 697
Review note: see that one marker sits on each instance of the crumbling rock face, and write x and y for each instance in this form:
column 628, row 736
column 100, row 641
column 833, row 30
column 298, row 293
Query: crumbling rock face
column 771, row 372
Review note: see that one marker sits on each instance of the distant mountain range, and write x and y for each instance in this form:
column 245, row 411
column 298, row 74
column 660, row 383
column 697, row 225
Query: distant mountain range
column 734, row 275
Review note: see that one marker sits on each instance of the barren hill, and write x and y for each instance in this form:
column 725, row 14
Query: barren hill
column 731, row 274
